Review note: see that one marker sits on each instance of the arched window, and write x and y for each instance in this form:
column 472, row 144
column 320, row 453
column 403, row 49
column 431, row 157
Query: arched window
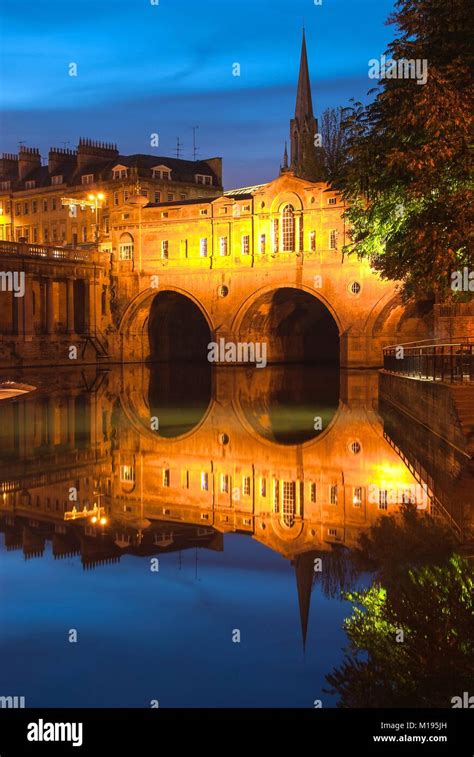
column 126, row 247
column 288, row 228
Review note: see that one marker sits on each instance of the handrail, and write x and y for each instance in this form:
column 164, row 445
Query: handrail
column 429, row 343
column 24, row 249
column 448, row 361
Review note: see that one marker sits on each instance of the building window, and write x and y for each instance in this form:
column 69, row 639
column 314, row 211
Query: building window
column 357, row 496
column 165, row 214
column 160, row 173
column 30, row 184
column 184, row 248
column 126, row 251
column 333, row 239
column 56, row 180
column 105, row 225
column 301, row 233
column 45, row 234
column 166, row 476
column 126, row 195
column 185, row 479
column 54, row 204
column 26, row 208
column 116, row 198
column 246, row 486
column 164, row 249
column 383, row 499
column 262, row 244
column 127, row 474
column 355, row 448
column 203, row 212
column 263, row 487
column 182, row 197
column 289, row 503
column 35, row 235
column 5, row 185
column 157, row 196
column 354, row 288
column 276, row 496
column 245, row 244
column 203, row 247
column 276, row 236
column 312, row 492
column 204, row 482
column 170, row 197
column 332, row 201
column 120, row 173
column 18, row 208
column 54, row 233
column 224, row 483
column 45, row 206
column 312, row 241
column 203, row 179
column 332, row 531
column 87, row 178
column 333, row 494
column 84, row 233
column 223, row 245
column 34, row 206
column 288, row 228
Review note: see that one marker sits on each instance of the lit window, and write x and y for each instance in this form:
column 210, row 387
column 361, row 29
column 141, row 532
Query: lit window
column 127, row 473
column 245, row 244
column 357, row 497
column 126, row 251
column 203, row 247
column 204, row 481
column 262, row 243
column 276, row 236
column 276, row 496
column 223, row 245
column 312, row 492
column 289, row 503
column 87, row 178
column 116, row 198
column 312, row 241
column 333, row 494
column 166, row 476
column 288, row 228
column 333, row 239
column 224, row 483
column 164, row 249
column 157, row 196
column 246, row 485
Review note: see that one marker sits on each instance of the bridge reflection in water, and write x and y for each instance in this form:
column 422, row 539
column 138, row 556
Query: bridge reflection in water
column 299, row 460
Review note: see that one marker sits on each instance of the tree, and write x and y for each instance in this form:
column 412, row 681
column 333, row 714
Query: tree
column 431, row 662
column 334, row 142
column 407, row 173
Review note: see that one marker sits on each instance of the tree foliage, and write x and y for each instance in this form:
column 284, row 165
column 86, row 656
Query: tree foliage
column 407, row 175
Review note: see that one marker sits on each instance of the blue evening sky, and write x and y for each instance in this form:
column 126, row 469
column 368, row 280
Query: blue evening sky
column 144, row 69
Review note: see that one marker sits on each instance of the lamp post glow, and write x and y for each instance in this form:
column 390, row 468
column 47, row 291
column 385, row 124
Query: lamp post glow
column 93, row 201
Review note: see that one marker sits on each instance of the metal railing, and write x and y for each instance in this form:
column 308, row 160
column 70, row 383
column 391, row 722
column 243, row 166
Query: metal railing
column 432, row 360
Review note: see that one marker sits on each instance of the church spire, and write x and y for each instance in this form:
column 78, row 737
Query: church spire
column 304, row 104
column 305, row 157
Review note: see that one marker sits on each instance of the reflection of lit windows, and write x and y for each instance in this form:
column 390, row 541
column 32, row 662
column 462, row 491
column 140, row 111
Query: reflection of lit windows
column 333, row 494
column 357, row 498
column 332, row 531
column 263, row 487
column 126, row 251
column 312, row 241
column 224, row 483
column 204, row 481
column 246, row 485
column 164, row 249
column 383, row 499
column 166, row 476
column 245, row 244
column 276, row 496
column 289, row 503
column 262, row 243
column 203, row 247
column 333, row 239
column 312, row 492
column 276, row 239
column 127, row 473
column 223, row 245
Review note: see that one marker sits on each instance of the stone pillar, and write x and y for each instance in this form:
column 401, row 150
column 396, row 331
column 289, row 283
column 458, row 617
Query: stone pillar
column 70, row 305
column 49, row 307
column 28, row 309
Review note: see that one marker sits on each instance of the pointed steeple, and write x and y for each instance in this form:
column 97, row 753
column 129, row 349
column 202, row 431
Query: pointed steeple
column 304, row 103
column 284, row 167
column 304, row 570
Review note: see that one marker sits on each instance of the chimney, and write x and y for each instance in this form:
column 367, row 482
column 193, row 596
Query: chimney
column 58, row 156
column 89, row 151
column 215, row 164
column 9, row 166
column 29, row 158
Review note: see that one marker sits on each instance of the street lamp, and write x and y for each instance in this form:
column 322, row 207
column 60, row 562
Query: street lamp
column 92, row 202
column 96, row 198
